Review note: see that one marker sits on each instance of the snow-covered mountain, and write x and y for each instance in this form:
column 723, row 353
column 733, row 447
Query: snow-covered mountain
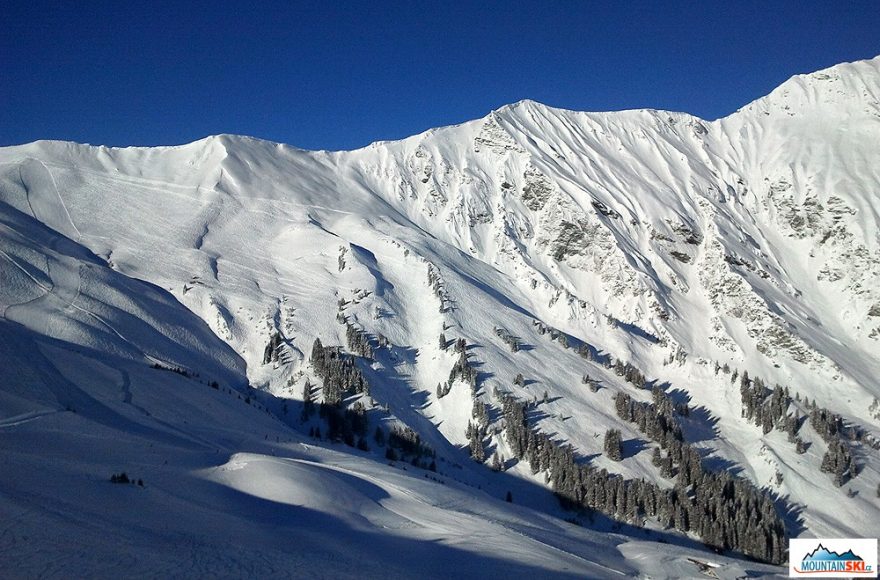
column 732, row 265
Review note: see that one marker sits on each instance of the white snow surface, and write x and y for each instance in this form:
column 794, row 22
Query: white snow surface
column 661, row 239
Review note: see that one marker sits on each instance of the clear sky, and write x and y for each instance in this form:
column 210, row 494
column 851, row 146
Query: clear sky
column 338, row 75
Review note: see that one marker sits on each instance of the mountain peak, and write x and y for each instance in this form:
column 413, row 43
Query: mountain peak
column 522, row 103
column 845, row 89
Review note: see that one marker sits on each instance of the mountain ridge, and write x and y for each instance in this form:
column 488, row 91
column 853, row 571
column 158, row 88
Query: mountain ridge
column 216, row 149
column 862, row 63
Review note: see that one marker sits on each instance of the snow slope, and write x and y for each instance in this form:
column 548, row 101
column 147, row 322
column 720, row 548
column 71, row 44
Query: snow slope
column 670, row 242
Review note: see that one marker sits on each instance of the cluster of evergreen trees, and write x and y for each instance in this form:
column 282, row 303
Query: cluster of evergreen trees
column 341, row 259
column 585, row 352
column 123, row 478
column 480, row 412
column 667, row 469
column 768, row 412
column 176, row 370
column 613, row 446
column 828, row 425
column 630, row 373
column 435, row 281
column 346, row 425
column 273, row 349
column 591, row 353
column 592, row 383
column 462, row 369
column 726, row 512
column 308, row 404
column 358, row 341
column 509, row 339
column 532, row 445
column 656, row 420
column 407, row 442
column 476, row 431
column 339, row 373
column 555, row 334
column 583, row 349
column 768, row 408
column 475, row 434
column 588, row 352
column 838, row 460
column 443, row 389
column 341, row 377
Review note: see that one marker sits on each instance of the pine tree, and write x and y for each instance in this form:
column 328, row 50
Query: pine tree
column 270, row 354
column 592, row 383
column 480, row 413
column 613, row 447
column 666, row 468
column 475, row 435
column 317, row 355
column 308, row 405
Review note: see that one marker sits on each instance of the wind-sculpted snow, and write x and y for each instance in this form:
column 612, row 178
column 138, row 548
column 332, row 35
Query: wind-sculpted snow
column 58, row 289
column 616, row 250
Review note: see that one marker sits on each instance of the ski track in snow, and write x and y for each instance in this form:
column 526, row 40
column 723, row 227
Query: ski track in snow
column 26, row 418
column 60, row 200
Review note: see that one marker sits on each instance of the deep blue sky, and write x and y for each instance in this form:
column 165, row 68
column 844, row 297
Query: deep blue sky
column 338, row 75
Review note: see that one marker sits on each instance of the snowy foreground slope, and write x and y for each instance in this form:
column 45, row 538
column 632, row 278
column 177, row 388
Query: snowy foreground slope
column 557, row 244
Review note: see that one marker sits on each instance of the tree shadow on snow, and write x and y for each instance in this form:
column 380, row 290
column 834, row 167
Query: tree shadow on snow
column 698, row 424
column 632, row 447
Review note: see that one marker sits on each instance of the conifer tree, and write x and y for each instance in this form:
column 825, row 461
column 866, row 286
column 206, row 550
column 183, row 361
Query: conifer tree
column 613, row 448
column 379, row 436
